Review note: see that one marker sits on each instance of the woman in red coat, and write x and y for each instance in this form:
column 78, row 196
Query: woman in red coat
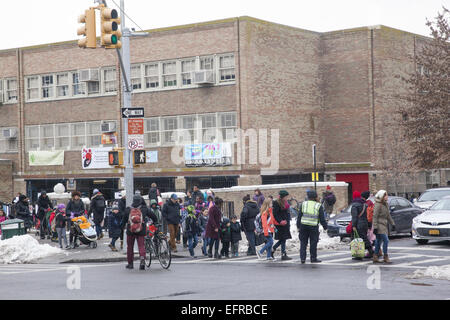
column 213, row 226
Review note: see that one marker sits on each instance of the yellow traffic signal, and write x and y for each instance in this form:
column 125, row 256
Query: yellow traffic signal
column 111, row 34
column 88, row 30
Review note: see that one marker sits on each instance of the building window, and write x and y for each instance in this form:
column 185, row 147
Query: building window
column 228, row 125
column 32, row 138
column 62, row 85
column 94, row 134
column 152, row 135
column 33, row 88
column 47, row 86
column 47, row 137
column 152, row 76
column 109, row 80
column 62, row 136
column 93, row 87
column 169, row 74
column 78, row 88
column 78, row 132
column 209, row 127
column 206, row 63
column 226, row 68
column 11, row 90
column 187, row 67
column 188, row 134
column 136, row 81
column 8, row 143
column 170, row 126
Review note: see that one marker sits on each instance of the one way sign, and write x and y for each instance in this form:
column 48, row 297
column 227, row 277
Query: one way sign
column 132, row 113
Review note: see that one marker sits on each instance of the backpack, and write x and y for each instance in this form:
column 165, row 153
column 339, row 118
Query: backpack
column 370, row 213
column 258, row 224
column 53, row 223
column 153, row 194
column 330, row 199
column 135, row 220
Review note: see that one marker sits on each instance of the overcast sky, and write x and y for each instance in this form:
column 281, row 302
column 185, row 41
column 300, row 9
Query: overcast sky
column 32, row 22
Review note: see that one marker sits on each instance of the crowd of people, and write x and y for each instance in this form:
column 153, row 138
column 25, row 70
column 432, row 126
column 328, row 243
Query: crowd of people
column 198, row 219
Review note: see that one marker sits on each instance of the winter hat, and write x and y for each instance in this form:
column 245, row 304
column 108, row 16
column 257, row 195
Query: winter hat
column 190, row 209
column 311, row 194
column 380, row 194
column 365, row 194
column 283, row 193
column 328, row 187
column 152, row 202
column 356, row 194
column 96, row 191
column 174, row 196
column 61, row 206
column 115, row 207
column 123, row 193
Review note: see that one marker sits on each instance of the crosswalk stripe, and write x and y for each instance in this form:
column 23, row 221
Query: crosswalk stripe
column 423, row 261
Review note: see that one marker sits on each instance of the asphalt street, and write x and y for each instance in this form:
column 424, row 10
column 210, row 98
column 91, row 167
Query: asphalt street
column 243, row 278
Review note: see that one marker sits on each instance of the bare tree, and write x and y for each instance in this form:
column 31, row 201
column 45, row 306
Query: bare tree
column 425, row 117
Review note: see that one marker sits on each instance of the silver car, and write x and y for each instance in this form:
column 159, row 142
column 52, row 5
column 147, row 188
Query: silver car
column 430, row 196
column 433, row 224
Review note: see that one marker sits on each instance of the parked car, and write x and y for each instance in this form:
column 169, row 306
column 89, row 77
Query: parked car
column 433, row 224
column 402, row 211
column 431, row 196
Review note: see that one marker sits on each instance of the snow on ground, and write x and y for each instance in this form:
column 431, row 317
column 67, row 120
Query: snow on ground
column 325, row 242
column 24, row 249
column 435, row 272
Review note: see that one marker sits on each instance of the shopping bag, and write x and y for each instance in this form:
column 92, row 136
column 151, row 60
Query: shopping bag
column 357, row 247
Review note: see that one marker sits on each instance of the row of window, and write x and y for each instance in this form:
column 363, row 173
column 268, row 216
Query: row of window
column 160, row 75
column 8, row 144
column 158, row 131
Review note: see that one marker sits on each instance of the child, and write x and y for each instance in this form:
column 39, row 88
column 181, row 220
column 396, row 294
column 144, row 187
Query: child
column 2, row 217
column 225, row 236
column 267, row 220
column 60, row 225
column 203, row 221
column 235, row 236
column 114, row 226
column 52, row 221
column 191, row 229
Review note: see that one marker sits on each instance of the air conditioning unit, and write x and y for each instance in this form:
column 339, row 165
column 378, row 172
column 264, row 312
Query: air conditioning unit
column 9, row 133
column 204, row 77
column 87, row 75
column 108, row 127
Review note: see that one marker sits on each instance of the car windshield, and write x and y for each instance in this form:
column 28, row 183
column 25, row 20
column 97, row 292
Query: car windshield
column 441, row 205
column 434, row 195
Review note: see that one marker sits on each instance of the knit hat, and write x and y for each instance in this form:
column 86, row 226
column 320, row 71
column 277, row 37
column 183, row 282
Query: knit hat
column 328, row 187
column 153, row 201
column 96, row 191
column 283, row 193
column 356, row 194
column 365, row 194
column 190, row 209
column 115, row 207
column 380, row 194
column 61, row 206
column 311, row 194
column 174, row 196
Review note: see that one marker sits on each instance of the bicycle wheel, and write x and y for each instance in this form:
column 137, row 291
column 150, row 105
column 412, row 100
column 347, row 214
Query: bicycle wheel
column 148, row 252
column 164, row 256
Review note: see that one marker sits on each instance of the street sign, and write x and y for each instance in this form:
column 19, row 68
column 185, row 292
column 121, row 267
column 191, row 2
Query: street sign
column 135, row 126
column 132, row 113
column 136, row 142
column 139, row 157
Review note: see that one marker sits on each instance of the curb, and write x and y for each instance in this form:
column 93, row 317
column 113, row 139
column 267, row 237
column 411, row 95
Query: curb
column 112, row 259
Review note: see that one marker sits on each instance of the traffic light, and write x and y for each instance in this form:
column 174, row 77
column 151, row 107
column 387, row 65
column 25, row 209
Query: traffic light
column 88, row 30
column 115, row 158
column 139, row 157
column 111, row 34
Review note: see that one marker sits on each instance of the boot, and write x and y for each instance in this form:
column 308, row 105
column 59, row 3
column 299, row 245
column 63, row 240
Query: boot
column 121, row 244
column 285, row 257
column 386, row 259
column 375, row 258
column 129, row 266
column 142, row 265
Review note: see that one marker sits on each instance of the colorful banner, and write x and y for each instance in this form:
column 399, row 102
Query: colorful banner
column 46, row 158
column 207, row 154
column 95, row 158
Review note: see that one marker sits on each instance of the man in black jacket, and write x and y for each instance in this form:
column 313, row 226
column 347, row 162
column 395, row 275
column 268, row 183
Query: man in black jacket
column 23, row 211
column 97, row 207
column 44, row 204
column 171, row 213
column 248, row 216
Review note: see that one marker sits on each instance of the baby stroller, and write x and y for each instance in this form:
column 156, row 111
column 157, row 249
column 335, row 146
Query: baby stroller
column 84, row 231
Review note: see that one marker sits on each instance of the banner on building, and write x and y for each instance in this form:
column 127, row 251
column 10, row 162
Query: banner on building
column 46, row 158
column 207, row 154
column 95, row 158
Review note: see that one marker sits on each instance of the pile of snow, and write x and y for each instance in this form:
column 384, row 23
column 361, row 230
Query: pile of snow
column 325, row 242
column 24, row 249
column 435, row 272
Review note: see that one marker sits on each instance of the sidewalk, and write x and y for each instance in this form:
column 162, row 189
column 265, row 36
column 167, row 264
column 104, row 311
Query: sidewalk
column 85, row 254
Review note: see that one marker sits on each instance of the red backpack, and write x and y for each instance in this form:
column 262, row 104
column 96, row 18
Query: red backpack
column 135, row 220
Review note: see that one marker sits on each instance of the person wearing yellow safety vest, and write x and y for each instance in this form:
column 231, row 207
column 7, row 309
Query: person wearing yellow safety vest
column 311, row 213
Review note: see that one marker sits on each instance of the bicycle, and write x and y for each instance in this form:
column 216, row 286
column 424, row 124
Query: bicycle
column 156, row 244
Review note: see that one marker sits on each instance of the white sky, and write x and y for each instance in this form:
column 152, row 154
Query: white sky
column 32, row 22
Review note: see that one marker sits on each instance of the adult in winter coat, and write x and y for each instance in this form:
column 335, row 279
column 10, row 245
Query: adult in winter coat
column 381, row 220
column 171, row 214
column 213, row 227
column 191, row 229
column 328, row 201
column 153, row 193
column 115, row 226
column 23, row 211
column 136, row 236
column 282, row 222
column 197, row 193
column 359, row 221
column 97, row 207
column 75, row 206
column 258, row 198
column 44, row 204
column 248, row 216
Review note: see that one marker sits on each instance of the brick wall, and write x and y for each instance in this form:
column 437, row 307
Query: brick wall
column 6, row 178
